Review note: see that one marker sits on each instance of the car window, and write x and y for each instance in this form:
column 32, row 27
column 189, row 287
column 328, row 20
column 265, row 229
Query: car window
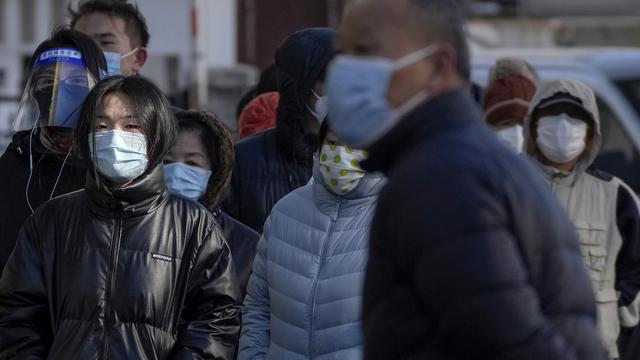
column 618, row 155
column 631, row 90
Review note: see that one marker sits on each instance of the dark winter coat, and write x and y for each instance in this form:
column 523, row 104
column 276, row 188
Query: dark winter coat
column 272, row 164
column 471, row 256
column 261, row 176
column 14, row 175
column 132, row 273
column 242, row 240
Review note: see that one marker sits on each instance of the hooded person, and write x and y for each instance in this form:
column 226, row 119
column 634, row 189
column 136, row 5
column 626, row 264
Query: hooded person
column 512, row 85
column 259, row 115
column 562, row 132
column 295, row 308
column 39, row 163
column 198, row 167
column 272, row 164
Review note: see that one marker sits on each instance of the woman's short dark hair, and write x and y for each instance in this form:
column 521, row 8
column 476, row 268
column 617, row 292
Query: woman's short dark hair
column 151, row 110
column 66, row 38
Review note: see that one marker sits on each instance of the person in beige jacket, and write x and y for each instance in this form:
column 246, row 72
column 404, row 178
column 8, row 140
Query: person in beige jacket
column 562, row 135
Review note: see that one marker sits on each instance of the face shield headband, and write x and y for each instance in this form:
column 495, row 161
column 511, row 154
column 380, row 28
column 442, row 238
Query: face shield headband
column 55, row 91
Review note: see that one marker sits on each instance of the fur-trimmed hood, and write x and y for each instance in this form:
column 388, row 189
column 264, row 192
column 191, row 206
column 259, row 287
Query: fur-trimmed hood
column 221, row 151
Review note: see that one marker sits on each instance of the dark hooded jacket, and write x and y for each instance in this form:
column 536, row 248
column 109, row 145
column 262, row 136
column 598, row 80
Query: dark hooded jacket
column 269, row 165
column 242, row 240
column 15, row 172
column 471, row 257
column 131, row 273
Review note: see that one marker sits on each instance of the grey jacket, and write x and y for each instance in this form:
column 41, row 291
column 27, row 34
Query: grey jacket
column 605, row 213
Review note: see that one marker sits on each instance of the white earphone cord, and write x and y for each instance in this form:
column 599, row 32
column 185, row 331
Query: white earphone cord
column 55, row 185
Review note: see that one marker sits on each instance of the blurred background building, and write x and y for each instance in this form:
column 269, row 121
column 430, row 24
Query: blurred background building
column 206, row 53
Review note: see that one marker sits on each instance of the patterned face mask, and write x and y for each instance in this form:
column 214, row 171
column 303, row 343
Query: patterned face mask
column 340, row 168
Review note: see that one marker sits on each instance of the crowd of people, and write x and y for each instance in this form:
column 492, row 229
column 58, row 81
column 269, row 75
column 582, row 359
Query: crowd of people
column 376, row 206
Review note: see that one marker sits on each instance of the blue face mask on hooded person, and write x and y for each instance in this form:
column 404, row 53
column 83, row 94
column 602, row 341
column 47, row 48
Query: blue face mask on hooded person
column 186, row 181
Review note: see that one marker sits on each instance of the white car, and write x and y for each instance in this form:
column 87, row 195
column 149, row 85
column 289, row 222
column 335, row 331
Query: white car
column 614, row 75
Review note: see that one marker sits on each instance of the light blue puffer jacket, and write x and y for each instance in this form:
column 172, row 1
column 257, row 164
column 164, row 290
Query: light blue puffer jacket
column 304, row 297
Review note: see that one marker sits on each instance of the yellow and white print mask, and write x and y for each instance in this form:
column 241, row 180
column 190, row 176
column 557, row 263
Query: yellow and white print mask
column 340, row 168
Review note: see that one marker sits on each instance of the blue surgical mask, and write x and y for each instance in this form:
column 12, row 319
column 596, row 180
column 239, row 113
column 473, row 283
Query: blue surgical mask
column 186, row 181
column 120, row 156
column 357, row 86
column 113, row 61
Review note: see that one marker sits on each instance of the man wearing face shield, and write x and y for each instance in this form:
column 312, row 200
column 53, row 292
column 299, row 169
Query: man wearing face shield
column 470, row 255
column 39, row 164
column 563, row 136
column 271, row 164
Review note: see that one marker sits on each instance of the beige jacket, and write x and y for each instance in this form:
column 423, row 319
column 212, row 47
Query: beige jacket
column 605, row 213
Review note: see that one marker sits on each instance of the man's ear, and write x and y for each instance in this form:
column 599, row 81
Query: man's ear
column 446, row 65
column 140, row 58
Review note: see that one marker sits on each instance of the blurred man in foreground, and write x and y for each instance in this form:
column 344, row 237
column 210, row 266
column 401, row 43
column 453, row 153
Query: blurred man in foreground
column 471, row 256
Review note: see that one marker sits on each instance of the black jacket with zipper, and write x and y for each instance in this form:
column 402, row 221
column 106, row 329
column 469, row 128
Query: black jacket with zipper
column 131, row 273
column 14, row 175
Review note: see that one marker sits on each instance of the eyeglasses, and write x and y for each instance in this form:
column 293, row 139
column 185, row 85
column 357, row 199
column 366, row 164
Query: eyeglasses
column 45, row 83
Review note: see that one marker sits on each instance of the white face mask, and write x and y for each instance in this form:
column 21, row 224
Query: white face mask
column 512, row 137
column 320, row 108
column 120, row 156
column 561, row 138
column 340, row 168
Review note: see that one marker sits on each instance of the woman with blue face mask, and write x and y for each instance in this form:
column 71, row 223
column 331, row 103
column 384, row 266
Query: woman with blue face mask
column 122, row 268
column 304, row 296
column 198, row 167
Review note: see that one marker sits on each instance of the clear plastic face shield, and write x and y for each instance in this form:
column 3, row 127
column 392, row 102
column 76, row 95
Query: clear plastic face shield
column 57, row 86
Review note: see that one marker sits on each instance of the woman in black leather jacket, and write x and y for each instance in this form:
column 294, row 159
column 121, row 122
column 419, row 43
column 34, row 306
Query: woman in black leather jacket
column 198, row 167
column 120, row 269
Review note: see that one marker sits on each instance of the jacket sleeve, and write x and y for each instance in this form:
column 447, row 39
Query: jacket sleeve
column 231, row 204
column 25, row 327
column 210, row 320
column 628, row 261
column 254, row 341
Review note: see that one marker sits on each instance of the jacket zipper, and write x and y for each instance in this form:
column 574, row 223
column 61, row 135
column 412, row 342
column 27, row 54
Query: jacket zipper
column 110, row 287
column 334, row 217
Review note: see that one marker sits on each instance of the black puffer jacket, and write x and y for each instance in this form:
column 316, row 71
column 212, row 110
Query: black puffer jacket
column 14, row 170
column 471, row 257
column 242, row 241
column 272, row 164
column 131, row 273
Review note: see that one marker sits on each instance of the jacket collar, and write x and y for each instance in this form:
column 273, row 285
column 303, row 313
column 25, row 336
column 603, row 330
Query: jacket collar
column 448, row 111
column 556, row 176
column 144, row 196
